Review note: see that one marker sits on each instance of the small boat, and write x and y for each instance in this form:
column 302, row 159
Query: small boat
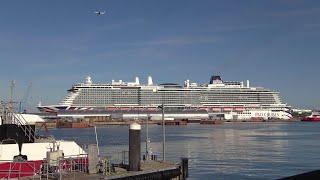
column 23, row 153
column 315, row 116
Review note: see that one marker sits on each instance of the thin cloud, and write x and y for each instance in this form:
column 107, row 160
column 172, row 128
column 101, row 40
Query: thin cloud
column 298, row 12
column 312, row 25
column 121, row 24
column 131, row 52
column 233, row 27
column 238, row 27
column 174, row 41
column 182, row 41
column 154, row 48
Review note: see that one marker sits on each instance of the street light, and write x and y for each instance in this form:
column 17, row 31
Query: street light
column 147, row 139
column 163, row 134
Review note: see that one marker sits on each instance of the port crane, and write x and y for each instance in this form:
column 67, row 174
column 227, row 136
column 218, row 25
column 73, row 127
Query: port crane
column 24, row 100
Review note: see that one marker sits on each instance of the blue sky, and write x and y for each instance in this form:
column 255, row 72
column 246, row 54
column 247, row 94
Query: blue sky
column 274, row 44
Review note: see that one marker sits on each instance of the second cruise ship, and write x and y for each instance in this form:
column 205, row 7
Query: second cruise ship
column 218, row 98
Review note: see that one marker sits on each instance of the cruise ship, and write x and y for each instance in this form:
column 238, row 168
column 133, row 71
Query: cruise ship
column 218, row 98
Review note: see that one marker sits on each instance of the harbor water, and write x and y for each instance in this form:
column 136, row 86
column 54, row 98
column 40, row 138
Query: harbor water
column 227, row 151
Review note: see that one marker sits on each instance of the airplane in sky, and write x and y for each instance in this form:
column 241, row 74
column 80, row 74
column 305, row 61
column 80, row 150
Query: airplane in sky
column 98, row 13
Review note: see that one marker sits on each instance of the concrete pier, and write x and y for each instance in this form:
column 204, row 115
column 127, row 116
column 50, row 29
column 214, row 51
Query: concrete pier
column 155, row 170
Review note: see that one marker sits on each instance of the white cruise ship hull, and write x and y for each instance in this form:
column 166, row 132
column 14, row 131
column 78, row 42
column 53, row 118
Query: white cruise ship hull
column 231, row 98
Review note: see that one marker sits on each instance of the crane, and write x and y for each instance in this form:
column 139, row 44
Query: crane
column 24, row 100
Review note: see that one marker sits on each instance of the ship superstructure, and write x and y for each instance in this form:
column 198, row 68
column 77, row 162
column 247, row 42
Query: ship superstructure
column 230, row 97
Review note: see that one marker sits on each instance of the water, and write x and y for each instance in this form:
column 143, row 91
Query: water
column 228, row 151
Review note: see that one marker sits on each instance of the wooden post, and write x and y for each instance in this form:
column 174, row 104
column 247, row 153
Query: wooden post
column 184, row 168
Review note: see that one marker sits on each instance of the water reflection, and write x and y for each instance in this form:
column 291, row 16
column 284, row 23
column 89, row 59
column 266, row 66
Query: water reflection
column 228, row 151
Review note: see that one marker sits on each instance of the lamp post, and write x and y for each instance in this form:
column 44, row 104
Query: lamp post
column 163, row 134
column 147, row 138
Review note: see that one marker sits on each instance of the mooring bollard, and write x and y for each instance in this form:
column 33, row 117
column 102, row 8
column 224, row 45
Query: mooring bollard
column 184, row 168
column 134, row 147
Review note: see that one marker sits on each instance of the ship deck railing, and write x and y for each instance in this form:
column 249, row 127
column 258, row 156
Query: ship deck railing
column 11, row 169
column 43, row 168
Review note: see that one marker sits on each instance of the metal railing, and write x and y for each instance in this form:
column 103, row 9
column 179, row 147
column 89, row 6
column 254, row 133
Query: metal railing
column 10, row 169
column 118, row 157
column 122, row 157
column 24, row 126
column 10, row 115
column 42, row 169
column 64, row 166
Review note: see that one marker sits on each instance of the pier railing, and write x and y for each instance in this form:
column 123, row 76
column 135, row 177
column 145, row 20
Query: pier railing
column 121, row 157
column 64, row 166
